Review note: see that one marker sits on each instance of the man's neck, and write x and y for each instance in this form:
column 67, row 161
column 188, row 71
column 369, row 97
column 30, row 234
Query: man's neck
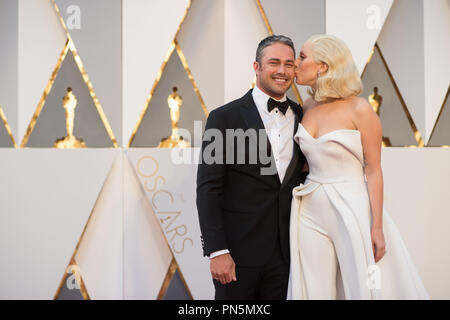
column 279, row 98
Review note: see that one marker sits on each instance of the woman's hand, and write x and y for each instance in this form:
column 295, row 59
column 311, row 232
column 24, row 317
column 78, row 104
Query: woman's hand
column 378, row 244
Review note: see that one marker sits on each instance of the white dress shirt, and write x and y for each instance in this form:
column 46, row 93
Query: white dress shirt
column 280, row 130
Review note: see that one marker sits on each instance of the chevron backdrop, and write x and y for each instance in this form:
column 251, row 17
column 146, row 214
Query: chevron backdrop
column 117, row 220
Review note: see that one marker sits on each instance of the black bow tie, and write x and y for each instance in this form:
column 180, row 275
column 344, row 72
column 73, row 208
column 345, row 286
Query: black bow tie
column 282, row 106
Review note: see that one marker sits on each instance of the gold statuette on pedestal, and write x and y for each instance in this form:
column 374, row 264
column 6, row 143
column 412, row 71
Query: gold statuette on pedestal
column 175, row 140
column 375, row 101
column 69, row 141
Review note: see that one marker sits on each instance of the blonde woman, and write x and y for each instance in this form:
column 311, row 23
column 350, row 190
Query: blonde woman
column 343, row 245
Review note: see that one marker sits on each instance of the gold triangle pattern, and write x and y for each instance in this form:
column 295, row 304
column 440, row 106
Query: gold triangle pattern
column 368, row 60
column 417, row 135
column 47, row 89
column 7, row 127
column 70, row 45
column 74, row 270
column 270, row 30
column 173, row 267
column 73, row 266
column 437, row 119
column 264, row 16
column 174, row 46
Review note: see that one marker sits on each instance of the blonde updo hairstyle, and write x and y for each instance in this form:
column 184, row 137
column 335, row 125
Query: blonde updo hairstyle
column 342, row 79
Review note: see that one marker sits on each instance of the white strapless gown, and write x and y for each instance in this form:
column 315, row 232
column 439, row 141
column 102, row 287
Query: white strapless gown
column 331, row 248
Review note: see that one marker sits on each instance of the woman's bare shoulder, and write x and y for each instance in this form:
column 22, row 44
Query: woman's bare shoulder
column 361, row 106
column 363, row 114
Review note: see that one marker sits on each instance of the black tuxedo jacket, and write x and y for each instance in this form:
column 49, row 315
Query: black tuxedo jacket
column 240, row 208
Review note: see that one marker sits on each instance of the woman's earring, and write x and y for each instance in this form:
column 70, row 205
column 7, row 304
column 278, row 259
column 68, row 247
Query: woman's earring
column 318, row 74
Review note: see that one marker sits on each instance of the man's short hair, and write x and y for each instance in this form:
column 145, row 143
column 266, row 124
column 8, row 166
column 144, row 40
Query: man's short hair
column 270, row 40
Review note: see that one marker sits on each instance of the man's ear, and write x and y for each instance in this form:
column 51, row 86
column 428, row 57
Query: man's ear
column 256, row 66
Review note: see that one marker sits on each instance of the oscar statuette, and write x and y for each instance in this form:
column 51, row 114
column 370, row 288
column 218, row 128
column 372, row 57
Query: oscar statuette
column 69, row 141
column 174, row 140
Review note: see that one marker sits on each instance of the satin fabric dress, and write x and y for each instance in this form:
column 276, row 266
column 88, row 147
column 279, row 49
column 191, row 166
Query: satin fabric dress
column 330, row 229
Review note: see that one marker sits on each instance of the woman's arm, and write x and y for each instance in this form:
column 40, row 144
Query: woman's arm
column 369, row 125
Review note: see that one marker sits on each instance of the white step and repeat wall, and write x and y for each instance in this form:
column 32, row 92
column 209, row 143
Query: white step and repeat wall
column 118, row 220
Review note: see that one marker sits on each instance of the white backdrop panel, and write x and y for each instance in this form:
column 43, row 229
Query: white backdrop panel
column 100, row 49
column 147, row 255
column 170, row 189
column 99, row 255
column 298, row 19
column 401, row 43
column 202, row 40
column 8, row 61
column 244, row 29
column 47, row 196
column 358, row 23
column 437, row 62
column 417, row 184
column 37, row 59
column 148, row 28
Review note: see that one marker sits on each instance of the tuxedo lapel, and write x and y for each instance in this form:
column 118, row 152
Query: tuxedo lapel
column 250, row 113
column 253, row 120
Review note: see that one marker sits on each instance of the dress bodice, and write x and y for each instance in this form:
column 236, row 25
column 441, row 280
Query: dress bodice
column 336, row 156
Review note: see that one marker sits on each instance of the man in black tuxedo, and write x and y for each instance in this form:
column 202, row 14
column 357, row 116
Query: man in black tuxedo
column 248, row 168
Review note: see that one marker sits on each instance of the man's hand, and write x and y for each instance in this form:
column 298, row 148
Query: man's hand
column 223, row 268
